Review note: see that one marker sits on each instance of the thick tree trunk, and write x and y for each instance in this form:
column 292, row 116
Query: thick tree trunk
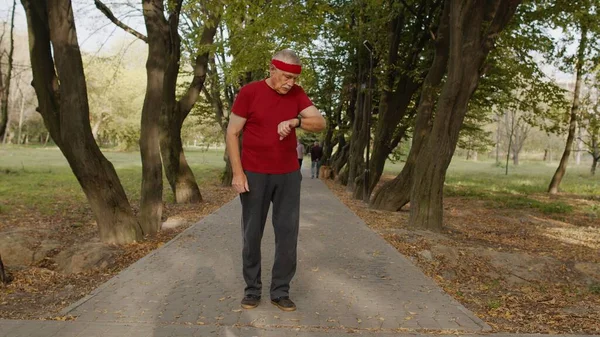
column 564, row 160
column 151, row 204
column 471, row 38
column 391, row 111
column 179, row 174
column 64, row 107
column 6, row 87
column 395, row 194
column 341, row 157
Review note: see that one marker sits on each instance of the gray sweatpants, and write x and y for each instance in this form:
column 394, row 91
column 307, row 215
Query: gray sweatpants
column 283, row 190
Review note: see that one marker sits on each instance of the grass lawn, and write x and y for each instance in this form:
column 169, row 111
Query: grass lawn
column 524, row 187
column 41, row 178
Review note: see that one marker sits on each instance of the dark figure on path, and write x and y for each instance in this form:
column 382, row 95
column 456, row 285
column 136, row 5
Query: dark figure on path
column 316, row 152
column 267, row 171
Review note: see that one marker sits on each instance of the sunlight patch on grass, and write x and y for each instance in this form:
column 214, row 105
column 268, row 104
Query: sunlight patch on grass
column 584, row 236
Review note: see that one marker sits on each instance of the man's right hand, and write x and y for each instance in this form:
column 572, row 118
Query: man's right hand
column 240, row 183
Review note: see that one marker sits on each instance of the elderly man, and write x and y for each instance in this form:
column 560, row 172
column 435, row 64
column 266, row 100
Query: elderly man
column 267, row 171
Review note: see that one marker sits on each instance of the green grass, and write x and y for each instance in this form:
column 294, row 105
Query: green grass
column 484, row 180
column 40, row 178
column 494, row 304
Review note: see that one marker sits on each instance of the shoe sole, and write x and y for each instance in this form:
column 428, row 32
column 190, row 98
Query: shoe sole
column 249, row 306
column 283, row 308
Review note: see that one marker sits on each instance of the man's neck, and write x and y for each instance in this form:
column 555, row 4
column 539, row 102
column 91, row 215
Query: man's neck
column 268, row 81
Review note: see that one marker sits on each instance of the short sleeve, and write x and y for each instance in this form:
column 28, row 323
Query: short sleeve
column 302, row 100
column 241, row 105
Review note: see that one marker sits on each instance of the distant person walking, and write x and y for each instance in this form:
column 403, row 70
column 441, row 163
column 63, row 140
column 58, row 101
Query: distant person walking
column 300, row 151
column 316, row 152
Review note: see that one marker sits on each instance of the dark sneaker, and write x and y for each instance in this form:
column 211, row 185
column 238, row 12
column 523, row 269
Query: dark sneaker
column 284, row 303
column 250, row 301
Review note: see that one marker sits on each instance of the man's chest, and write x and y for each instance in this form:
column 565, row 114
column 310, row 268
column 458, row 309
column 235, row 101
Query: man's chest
column 273, row 109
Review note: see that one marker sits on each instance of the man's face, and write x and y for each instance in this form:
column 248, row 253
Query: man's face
column 282, row 81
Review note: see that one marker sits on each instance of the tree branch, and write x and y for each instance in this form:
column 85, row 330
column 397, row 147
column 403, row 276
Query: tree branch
column 109, row 14
column 410, row 9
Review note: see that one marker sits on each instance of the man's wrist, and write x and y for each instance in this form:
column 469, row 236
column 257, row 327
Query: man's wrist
column 299, row 122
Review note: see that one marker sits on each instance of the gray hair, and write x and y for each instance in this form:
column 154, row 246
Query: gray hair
column 288, row 56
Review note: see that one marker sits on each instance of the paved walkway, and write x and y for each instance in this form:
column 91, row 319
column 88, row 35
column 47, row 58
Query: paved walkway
column 349, row 280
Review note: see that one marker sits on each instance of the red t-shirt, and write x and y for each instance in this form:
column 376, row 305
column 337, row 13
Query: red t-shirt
column 264, row 108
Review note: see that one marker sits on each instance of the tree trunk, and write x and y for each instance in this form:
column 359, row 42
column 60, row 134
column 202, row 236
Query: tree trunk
column 4, row 277
column 179, row 174
column 400, row 86
column 96, row 128
column 595, row 154
column 158, row 47
column 498, row 140
column 21, row 113
column 564, row 160
column 471, row 38
column 579, row 148
column 214, row 96
column 64, row 107
column 328, row 141
column 6, row 88
column 358, row 142
column 341, row 157
column 395, row 194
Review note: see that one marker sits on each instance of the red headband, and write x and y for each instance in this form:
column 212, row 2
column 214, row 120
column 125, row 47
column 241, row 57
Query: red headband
column 290, row 68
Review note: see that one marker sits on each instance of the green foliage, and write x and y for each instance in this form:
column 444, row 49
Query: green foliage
column 571, row 19
column 473, row 137
column 400, row 153
column 308, row 139
column 494, row 304
column 116, row 87
column 595, row 288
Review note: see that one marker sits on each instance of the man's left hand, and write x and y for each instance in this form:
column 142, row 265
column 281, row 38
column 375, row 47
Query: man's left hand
column 285, row 128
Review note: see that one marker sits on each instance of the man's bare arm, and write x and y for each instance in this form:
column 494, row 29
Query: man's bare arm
column 234, row 128
column 312, row 120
